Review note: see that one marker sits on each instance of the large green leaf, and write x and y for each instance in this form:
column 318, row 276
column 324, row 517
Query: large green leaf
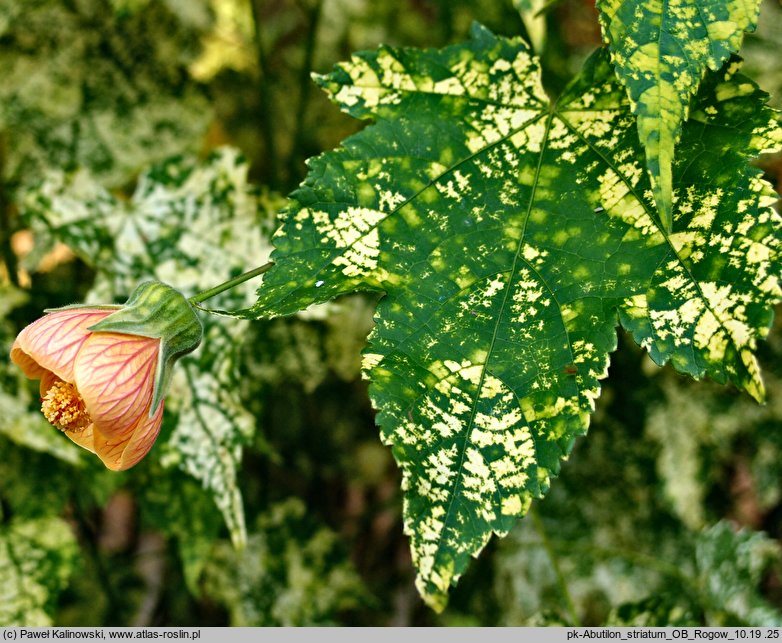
column 192, row 225
column 36, row 559
column 507, row 234
column 661, row 51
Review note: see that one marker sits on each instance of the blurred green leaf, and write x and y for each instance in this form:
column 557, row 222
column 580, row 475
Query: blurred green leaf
column 84, row 86
column 691, row 460
column 37, row 557
column 762, row 51
column 534, row 21
column 292, row 572
column 306, row 348
column 731, row 564
column 656, row 611
column 174, row 503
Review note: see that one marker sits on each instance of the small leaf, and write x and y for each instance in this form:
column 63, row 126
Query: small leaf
column 37, row 557
column 661, row 51
column 507, row 234
column 534, row 21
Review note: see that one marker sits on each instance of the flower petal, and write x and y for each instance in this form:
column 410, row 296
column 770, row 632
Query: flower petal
column 29, row 366
column 53, row 341
column 115, row 375
column 48, row 379
column 85, row 439
column 123, row 451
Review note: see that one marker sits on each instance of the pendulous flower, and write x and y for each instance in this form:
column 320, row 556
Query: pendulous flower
column 104, row 369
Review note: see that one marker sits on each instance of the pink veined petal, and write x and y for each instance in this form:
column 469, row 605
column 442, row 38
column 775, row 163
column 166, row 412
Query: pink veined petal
column 29, row 366
column 85, row 439
column 115, row 375
column 53, row 341
column 120, row 453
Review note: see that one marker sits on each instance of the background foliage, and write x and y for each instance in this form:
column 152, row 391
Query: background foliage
column 269, row 499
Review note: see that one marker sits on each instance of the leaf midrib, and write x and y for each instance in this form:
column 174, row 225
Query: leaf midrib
column 498, row 317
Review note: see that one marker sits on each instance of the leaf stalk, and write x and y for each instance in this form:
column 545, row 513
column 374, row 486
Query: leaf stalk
column 231, row 283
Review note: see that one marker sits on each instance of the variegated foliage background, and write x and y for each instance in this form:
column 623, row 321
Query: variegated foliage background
column 501, row 237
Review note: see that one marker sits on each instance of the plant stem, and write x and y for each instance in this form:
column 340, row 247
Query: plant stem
column 265, row 115
column 639, row 559
column 570, row 607
column 6, row 225
column 231, row 283
column 89, row 539
column 305, row 87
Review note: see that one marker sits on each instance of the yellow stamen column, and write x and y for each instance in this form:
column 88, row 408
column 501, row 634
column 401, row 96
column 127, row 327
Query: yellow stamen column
column 63, row 407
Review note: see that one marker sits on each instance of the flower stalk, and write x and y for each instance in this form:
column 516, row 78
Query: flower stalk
column 231, row 283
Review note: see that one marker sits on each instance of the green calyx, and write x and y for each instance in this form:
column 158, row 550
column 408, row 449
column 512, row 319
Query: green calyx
column 158, row 311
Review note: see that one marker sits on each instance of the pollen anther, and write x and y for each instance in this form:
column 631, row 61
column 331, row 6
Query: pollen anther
column 63, row 407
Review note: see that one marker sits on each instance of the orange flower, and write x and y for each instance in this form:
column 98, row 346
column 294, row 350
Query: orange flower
column 103, row 370
column 95, row 387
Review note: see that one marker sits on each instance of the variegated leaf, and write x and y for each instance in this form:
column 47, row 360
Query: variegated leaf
column 506, row 234
column 731, row 565
column 37, row 557
column 76, row 92
column 710, row 297
column 661, row 51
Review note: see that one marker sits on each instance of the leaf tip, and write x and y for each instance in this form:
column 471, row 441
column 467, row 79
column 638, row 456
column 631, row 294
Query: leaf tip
column 754, row 384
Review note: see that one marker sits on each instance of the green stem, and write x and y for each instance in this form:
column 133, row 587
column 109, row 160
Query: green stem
column 636, row 558
column 305, row 87
column 7, row 227
column 570, row 607
column 231, row 283
column 265, row 113
column 89, row 538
